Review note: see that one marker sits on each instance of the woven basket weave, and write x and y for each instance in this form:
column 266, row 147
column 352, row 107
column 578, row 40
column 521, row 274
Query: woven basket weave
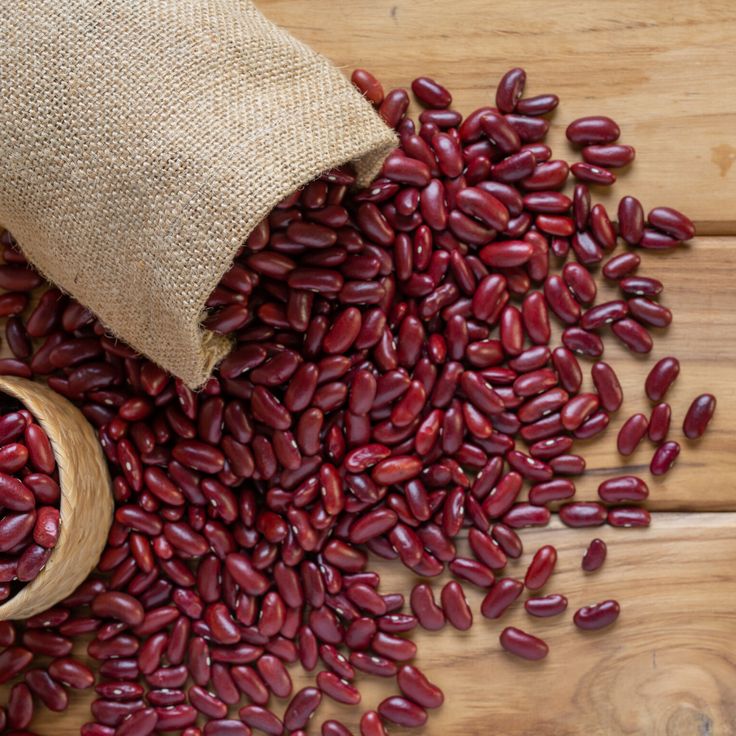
column 142, row 140
column 86, row 499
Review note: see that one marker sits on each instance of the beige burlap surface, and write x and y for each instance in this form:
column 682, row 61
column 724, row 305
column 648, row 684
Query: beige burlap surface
column 141, row 141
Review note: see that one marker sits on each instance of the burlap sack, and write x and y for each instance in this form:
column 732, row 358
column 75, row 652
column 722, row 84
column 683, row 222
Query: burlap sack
column 141, row 141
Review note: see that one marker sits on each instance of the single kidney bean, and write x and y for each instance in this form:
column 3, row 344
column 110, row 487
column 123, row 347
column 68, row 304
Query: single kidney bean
column 631, row 434
column 301, row 708
column 455, row 606
column 500, row 597
column 659, row 422
column 629, row 516
column 595, row 555
column 620, row 266
column 612, row 156
column 402, row 712
column 631, row 220
column 592, row 174
column 597, row 616
column 368, row 86
column 546, row 606
column 526, row 646
column 593, row 130
column 607, row 385
column 578, row 409
column 671, row 222
column 661, row 377
column 582, row 514
column 635, row 337
column 510, row 89
column 428, row 613
column 650, row 312
column 623, row 488
column 698, row 416
column 415, row 686
column 664, row 458
column 541, row 567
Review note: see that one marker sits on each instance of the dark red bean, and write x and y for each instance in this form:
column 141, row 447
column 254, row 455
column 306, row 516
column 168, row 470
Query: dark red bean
column 635, row 337
column 671, row 222
column 526, row 646
column 431, row 93
column 593, row 130
column 582, row 514
column 607, row 385
column 623, row 488
column 661, row 377
column 368, row 86
column 631, row 434
column 592, row 174
column 629, row 516
column 552, row 490
column 631, row 220
column 541, row 567
column 620, row 266
column 649, row 312
column 613, row 156
column 500, row 597
column 259, row 717
column 402, row 712
column 546, row 606
column 595, row 555
column 597, row 616
column 301, row 708
column 698, row 416
column 659, row 422
column 455, row 606
column 538, row 105
column 510, row 89
column 664, row 458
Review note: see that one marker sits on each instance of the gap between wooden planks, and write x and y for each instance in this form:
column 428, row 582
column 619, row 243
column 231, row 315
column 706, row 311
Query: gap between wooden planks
column 667, row 667
column 664, row 71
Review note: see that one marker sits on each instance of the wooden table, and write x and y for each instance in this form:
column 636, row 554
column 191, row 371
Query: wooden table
column 666, row 72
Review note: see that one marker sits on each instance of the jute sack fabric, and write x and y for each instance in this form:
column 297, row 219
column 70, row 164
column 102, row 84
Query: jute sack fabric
column 142, row 140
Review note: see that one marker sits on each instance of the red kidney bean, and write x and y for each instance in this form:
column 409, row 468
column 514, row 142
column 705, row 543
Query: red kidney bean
column 698, row 416
column 541, row 567
column 455, row 606
column 510, row 89
column 664, row 458
column 52, row 695
column 613, row 156
column 402, row 712
column 546, row 606
column 631, row 434
column 620, row 266
column 578, row 409
column 581, row 514
column 661, row 377
column 560, row 300
column 368, row 86
column 428, row 613
column 476, row 202
column 595, row 555
column 538, row 105
column 635, row 337
column 500, row 597
column 592, row 174
column 659, row 422
column 337, row 689
column 371, row 725
column 628, row 516
column 415, row 686
column 301, row 708
column 552, row 490
column 671, row 222
column 623, row 488
column 649, row 312
column 597, row 616
column 593, row 130
column 526, row 646
column 607, row 385
column 631, row 220
column 259, row 717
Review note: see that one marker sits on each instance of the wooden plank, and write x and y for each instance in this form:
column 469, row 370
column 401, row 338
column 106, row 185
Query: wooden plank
column 666, row 668
column 663, row 70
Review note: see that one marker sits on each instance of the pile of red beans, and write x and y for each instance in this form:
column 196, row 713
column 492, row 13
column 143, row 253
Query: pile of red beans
column 29, row 499
column 392, row 388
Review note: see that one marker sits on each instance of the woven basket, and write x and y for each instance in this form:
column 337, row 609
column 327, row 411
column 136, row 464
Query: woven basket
column 86, row 499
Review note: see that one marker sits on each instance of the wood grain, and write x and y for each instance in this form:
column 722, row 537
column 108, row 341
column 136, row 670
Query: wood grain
column 666, row 668
column 664, row 70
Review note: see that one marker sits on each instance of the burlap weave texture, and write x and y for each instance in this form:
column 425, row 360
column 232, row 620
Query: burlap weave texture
column 142, row 140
